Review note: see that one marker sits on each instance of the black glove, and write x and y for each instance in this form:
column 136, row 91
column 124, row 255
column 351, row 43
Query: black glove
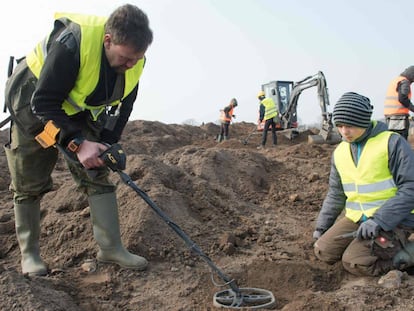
column 114, row 157
column 368, row 229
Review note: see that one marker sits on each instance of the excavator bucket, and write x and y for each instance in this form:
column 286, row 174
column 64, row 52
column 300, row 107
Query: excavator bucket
column 319, row 139
column 325, row 136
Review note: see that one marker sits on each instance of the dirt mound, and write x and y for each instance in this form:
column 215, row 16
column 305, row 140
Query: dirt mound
column 251, row 211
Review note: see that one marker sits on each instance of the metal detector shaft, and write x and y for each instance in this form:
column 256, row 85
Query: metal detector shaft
column 349, row 235
column 5, row 121
column 194, row 247
column 235, row 297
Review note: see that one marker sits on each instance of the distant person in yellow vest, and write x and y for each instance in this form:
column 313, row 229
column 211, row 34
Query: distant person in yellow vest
column 268, row 113
column 76, row 88
column 371, row 179
column 398, row 103
column 226, row 116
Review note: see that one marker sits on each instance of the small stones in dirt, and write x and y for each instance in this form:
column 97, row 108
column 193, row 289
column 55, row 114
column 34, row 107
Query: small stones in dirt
column 294, row 197
column 392, row 279
column 85, row 212
column 264, row 238
column 313, row 177
column 228, row 243
column 89, row 265
column 56, row 271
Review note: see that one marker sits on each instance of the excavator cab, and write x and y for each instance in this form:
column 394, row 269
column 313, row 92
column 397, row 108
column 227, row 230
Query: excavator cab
column 280, row 92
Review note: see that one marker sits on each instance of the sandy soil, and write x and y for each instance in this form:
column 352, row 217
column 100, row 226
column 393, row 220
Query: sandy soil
column 251, row 211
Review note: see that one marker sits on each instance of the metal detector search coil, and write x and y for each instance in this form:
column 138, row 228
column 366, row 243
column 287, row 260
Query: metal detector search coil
column 247, row 298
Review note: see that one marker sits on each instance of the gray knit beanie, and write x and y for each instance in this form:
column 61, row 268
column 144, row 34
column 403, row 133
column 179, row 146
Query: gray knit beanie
column 353, row 109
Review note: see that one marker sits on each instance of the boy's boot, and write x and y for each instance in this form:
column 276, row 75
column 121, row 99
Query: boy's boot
column 405, row 257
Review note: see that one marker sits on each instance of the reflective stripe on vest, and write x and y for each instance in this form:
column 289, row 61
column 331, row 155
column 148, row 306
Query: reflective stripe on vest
column 369, row 184
column 392, row 105
column 89, row 30
column 270, row 108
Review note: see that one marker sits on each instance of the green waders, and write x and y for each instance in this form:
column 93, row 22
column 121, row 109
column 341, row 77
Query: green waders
column 30, row 169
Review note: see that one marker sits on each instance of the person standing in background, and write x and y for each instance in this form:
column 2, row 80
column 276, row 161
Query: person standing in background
column 398, row 103
column 268, row 113
column 226, row 116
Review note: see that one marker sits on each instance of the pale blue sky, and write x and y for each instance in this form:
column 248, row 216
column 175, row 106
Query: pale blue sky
column 207, row 51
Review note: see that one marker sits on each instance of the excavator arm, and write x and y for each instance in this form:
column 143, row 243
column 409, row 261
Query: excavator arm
column 318, row 80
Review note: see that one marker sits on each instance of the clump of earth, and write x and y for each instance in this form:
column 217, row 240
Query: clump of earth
column 252, row 212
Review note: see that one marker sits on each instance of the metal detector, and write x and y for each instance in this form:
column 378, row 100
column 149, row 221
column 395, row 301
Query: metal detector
column 234, row 297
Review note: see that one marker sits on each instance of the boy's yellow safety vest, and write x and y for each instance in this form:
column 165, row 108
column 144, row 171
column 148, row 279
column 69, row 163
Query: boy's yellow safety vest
column 369, row 184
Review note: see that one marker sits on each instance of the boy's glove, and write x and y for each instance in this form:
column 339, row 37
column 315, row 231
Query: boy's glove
column 114, row 157
column 368, row 229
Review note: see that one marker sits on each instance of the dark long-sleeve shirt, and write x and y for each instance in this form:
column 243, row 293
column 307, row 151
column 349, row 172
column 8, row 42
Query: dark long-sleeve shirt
column 262, row 110
column 57, row 79
column 404, row 89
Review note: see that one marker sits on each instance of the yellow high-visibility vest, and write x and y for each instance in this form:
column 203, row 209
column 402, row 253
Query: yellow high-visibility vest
column 369, row 184
column 270, row 108
column 90, row 32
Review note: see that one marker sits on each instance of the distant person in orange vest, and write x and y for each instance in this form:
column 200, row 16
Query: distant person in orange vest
column 268, row 113
column 398, row 103
column 226, row 116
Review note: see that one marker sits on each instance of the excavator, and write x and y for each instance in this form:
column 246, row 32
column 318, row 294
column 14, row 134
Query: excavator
column 286, row 95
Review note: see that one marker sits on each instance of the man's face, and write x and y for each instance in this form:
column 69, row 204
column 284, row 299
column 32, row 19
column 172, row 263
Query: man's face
column 350, row 133
column 121, row 57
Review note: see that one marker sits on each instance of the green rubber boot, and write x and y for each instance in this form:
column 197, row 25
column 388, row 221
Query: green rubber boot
column 405, row 257
column 219, row 138
column 104, row 215
column 27, row 221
